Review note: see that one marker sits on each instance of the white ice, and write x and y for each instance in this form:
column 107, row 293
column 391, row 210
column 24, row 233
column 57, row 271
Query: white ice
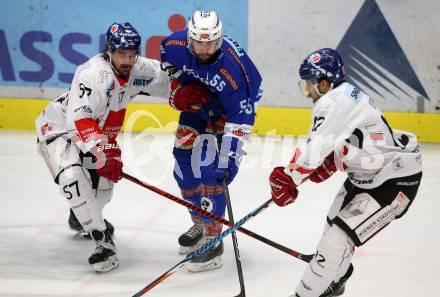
column 40, row 257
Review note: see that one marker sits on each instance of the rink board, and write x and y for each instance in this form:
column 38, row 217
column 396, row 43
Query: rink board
column 20, row 114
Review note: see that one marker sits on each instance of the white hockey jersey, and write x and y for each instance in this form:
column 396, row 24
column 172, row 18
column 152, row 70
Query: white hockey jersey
column 346, row 121
column 97, row 95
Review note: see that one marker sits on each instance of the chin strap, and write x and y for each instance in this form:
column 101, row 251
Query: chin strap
column 116, row 71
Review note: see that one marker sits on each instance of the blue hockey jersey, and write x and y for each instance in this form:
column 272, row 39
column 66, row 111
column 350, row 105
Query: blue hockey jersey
column 232, row 78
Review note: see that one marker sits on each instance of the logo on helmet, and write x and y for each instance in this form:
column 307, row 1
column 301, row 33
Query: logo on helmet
column 204, row 36
column 315, row 58
column 128, row 33
column 114, row 28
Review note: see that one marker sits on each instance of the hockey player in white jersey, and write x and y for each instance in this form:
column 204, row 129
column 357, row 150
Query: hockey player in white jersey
column 384, row 167
column 77, row 132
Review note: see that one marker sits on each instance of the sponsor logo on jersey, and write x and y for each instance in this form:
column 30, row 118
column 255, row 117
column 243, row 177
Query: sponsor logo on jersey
column 355, row 93
column 110, row 89
column 398, row 163
column 229, row 78
column 142, row 82
column 84, row 108
column 176, row 42
column 113, row 123
column 378, row 68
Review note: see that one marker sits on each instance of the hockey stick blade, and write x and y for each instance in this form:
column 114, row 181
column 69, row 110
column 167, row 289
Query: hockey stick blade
column 293, row 253
column 160, row 279
column 207, row 246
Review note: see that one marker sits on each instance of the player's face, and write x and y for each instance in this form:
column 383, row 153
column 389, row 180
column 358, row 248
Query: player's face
column 204, row 50
column 323, row 86
column 123, row 61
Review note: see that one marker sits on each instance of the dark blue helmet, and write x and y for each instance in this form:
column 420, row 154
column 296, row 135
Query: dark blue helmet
column 122, row 36
column 323, row 63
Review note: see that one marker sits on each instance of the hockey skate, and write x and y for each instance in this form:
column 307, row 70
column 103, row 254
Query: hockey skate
column 76, row 226
column 337, row 289
column 209, row 260
column 188, row 240
column 104, row 258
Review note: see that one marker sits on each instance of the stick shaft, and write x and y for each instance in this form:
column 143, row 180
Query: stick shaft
column 296, row 254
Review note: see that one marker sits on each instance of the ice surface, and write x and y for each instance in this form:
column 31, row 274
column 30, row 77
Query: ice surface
column 40, row 257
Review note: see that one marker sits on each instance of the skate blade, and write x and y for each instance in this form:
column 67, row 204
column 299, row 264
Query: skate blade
column 107, row 265
column 212, row 264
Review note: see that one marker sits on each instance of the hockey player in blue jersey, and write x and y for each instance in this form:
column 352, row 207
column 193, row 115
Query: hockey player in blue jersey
column 215, row 85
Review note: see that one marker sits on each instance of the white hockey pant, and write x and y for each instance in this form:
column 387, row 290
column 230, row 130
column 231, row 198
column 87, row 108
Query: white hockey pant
column 63, row 161
column 330, row 263
column 87, row 203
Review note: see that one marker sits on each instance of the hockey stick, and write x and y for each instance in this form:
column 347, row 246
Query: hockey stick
column 303, row 257
column 234, row 240
column 203, row 248
column 230, row 215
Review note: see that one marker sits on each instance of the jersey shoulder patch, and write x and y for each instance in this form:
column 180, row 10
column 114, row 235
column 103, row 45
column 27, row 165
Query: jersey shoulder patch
column 239, row 51
column 174, row 49
column 234, row 63
column 353, row 93
column 176, row 39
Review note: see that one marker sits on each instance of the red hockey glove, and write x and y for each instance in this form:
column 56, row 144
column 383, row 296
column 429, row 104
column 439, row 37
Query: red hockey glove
column 283, row 189
column 323, row 172
column 112, row 168
column 190, row 97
